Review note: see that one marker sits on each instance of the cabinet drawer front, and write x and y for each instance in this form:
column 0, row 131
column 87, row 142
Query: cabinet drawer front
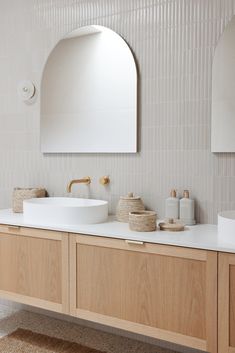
column 31, row 267
column 226, row 319
column 156, row 286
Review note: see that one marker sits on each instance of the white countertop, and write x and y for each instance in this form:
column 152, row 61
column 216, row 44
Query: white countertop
column 201, row 236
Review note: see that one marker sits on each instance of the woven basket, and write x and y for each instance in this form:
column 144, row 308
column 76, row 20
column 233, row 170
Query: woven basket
column 21, row 194
column 144, row 221
column 127, row 204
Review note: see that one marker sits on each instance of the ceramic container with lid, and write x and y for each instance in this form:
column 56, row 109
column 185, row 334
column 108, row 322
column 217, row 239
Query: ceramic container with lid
column 127, row 204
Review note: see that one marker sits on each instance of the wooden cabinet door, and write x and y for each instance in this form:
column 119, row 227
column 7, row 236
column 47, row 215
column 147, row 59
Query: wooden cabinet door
column 34, row 267
column 226, row 312
column 165, row 292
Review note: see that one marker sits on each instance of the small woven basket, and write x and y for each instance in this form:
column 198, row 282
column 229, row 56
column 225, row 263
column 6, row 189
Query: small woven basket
column 144, row 221
column 21, row 194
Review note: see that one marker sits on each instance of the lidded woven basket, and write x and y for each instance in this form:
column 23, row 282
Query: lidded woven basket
column 127, row 204
column 21, row 194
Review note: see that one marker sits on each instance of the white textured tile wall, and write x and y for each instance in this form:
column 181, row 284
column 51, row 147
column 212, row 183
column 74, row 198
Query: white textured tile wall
column 173, row 42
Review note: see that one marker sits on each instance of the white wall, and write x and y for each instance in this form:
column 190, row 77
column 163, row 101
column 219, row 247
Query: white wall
column 173, row 42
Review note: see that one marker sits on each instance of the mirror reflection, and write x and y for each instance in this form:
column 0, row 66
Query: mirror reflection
column 223, row 92
column 89, row 94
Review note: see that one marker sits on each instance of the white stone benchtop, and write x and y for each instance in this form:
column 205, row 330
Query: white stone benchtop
column 201, row 236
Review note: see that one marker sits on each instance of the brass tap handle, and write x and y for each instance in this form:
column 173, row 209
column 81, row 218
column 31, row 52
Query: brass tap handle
column 104, row 180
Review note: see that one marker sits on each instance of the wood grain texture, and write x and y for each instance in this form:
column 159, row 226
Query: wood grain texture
column 31, row 232
column 154, row 332
column 31, row 266
column 143, row 288
column 150, row 285
column 39, row 303
column 174, row 251
column 225, row 300
column 212, row 302
column 34, row 267
column 232, row 306
column 65, row 272
column 165, row 292
column 72, row 274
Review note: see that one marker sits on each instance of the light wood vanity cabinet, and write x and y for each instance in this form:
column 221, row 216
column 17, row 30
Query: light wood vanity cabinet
column 226, row 318
column 166, row 292
column 161, row 291
column 34, row 267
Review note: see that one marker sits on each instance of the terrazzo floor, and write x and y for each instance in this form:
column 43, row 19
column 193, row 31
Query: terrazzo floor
column 11, row 319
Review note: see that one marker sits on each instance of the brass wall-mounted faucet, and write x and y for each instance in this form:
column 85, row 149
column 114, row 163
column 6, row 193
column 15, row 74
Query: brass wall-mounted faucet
column 85, row 180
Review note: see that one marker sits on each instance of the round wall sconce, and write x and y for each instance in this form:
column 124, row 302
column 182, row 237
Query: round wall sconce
column 26, row 90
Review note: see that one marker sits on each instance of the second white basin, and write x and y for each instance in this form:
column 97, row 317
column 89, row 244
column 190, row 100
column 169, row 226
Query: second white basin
column 64, row 211
column 226, row 226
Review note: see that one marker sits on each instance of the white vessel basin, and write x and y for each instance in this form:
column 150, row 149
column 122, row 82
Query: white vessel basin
column 226, row 226
column 64, row 211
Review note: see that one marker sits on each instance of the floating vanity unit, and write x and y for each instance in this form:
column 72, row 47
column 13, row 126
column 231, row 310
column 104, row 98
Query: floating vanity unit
column 178, row 287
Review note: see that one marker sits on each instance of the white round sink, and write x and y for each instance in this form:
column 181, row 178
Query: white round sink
column 226, row 226
column 64, row 211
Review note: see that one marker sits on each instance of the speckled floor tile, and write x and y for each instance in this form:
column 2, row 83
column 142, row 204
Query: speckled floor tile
column 11, row 319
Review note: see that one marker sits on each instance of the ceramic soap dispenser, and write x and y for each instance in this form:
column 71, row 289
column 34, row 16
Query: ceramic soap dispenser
column 187, row 209
column 172, row 206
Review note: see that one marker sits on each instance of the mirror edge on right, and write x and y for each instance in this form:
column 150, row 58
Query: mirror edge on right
column 223, row 92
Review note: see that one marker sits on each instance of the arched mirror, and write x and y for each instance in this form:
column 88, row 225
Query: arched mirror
column 89, row 94
column 223, row 93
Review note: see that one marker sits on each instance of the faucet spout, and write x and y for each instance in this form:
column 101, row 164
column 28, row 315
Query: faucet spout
column 85, row 180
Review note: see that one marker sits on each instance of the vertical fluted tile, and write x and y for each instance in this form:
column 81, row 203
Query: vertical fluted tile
column 173, row 42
